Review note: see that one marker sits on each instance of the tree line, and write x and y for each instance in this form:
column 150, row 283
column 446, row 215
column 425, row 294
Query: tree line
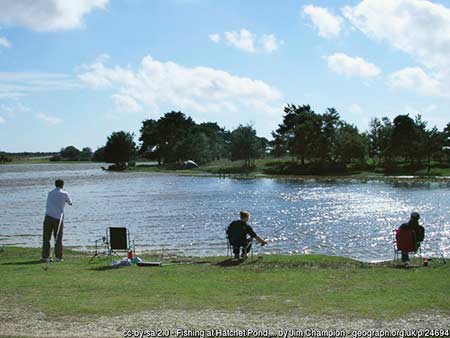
column 175, row 137
column 325, row 142
column 313, row 142
column 304, row 142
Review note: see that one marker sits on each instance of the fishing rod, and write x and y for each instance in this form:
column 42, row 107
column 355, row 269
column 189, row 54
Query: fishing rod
column 276, row 231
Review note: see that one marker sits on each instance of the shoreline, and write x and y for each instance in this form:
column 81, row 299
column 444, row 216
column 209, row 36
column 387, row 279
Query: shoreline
column 362, row 176
column 366, row 177
column 177, row 256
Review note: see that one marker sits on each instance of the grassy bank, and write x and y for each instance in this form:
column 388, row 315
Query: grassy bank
column 268, row 167
column 265, row 168
column 316, row 285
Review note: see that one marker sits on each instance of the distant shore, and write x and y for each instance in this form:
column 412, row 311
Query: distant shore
column 229, row 169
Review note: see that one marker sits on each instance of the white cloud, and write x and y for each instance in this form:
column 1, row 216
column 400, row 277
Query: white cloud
column 270, row 43
column 19, row 84
column 200, row 91
column 249, row 42
column 326, row 23
column 214, row 37
column 13, row 109
column 355, row 108
column 47, row 15
column 4, row 42
column 2, row 120
column 126, row 103
column 53, row 120
column 104, row 57
column 418, row 27
column 415, row 78
column 243, row 40
column 343, row 64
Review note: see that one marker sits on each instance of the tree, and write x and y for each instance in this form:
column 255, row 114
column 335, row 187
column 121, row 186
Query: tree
column 446, row 139
column 120, row 148
column 245, row 145
column 330, row 122
column 99, row 155
column 433, row 144
column 86, row 154
column 306, row 141
column 299, row 133
column 176, row 137
column 4, row 158
column 172, row 129
column 405, row 138
column 164, row 137
column 150, row 139
column 380, row 132
column 70, row 153
column 196, row 146
column 349, row 144
column 219, row 139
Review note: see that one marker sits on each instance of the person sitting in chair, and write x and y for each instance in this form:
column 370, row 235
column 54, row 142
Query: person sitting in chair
column 240, row 235
column 418, row 231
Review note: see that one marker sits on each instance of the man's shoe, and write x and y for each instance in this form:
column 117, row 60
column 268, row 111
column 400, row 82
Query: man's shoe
column 236, row 256
column 46, row 260
column 244, row 256
column 406, row 264
column 59, row 260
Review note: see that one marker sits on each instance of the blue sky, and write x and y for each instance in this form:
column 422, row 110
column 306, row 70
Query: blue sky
column 71, row 72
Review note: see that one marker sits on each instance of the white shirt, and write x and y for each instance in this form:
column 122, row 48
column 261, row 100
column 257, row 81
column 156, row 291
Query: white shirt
column 56, row 200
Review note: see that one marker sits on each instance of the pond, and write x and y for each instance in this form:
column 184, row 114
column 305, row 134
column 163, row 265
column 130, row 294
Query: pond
column 188, row 214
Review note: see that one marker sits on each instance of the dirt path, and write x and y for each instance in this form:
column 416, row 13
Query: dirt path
column 24, row 323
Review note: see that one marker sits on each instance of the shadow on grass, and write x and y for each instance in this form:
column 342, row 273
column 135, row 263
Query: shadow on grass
column 104, row 268
column 229, row 262
column 24, row 263
column 410, row 267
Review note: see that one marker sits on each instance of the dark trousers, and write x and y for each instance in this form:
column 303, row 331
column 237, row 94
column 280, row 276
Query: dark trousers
column 405, row 257
column 246, row 247
column 405, row 254
column 51, row 226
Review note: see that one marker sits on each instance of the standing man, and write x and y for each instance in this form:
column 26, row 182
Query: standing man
column 238, row 233
column 54, row 221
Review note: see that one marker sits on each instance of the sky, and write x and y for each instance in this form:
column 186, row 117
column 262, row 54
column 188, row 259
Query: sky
column 73, row 71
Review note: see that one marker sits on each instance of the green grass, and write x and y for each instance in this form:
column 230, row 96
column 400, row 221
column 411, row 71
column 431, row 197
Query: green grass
column 275, row 284
column 261, row 166
column 232, row 168
column 434, row 172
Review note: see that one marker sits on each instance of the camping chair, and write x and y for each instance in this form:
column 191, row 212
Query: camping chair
column 118, row 239
column 230, row 246
column 405, row 241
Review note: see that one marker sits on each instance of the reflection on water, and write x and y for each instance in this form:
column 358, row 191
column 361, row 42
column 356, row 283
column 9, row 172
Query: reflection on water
column 189, row 214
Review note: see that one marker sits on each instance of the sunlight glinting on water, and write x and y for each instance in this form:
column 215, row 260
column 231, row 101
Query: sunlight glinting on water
column 188, row 215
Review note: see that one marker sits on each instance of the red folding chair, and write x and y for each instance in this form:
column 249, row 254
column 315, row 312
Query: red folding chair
column 405, row 241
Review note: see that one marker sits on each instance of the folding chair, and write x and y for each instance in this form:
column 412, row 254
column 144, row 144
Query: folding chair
column 118, row 239
column 241, row 247
column 405, row 242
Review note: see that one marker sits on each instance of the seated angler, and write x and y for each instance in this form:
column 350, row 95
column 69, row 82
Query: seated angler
column 417, row 230
column 240, row 235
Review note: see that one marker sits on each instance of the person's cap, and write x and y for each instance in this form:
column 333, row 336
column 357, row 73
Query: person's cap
column 415, row 215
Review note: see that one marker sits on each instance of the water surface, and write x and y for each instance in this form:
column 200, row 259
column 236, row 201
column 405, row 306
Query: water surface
column 188, row 214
